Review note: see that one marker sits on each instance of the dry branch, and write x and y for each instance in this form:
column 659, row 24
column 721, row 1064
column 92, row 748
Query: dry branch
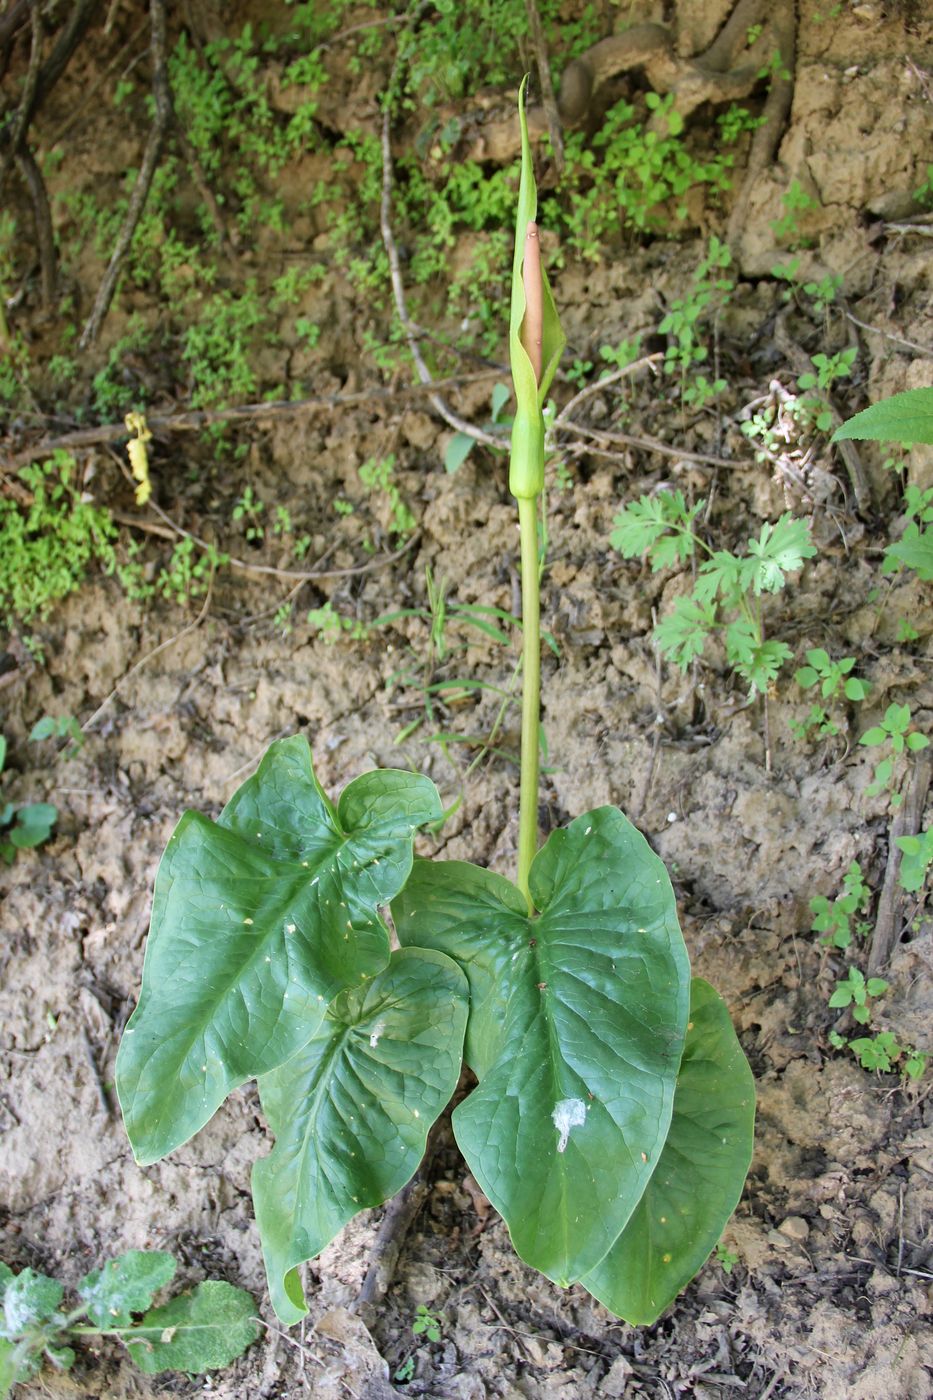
column 408, row 326
column 906, row 822
column 163, row 113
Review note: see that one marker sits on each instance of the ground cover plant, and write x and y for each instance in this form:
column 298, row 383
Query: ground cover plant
column 612, row 1120
column 197, row 1331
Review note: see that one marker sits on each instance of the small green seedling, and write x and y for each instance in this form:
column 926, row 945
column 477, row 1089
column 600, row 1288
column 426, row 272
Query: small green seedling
column 883, row 1052
column 838, row 920
column 22, row 828
column 426, row 1324
column 916, row 858
column 59, row 727
column 727, row 592
column 914, row 549
column 197, row 1331
column 854, row 991
column 896, row 736
column 726, row 1257
column 835, row 682
column 600, row 1062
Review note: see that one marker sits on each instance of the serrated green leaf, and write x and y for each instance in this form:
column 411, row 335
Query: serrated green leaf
column 125, row 1285
column 351, row 1111
column 198, row 1331
column 721, row 575
column 698, row 1180
column 906, row 417
column 28, row 1298
column 576, row 1028
column 258, row 921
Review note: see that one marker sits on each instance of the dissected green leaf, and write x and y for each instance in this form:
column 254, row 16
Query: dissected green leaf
column 29, row 1297
column 351, row 1111
column 699, row 1177
column 906, row 417
column 575, row 1033
column 198, row 1331
column 915, row 549
column 258, row 921
column 682, row 634
column 780, row 549
column 125, row 1285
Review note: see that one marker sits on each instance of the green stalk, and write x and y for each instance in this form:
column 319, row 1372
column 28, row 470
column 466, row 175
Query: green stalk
column 531, row 694
column 535, row 344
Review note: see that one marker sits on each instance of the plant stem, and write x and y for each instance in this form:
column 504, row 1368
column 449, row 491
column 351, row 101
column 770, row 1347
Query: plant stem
column 531, row 694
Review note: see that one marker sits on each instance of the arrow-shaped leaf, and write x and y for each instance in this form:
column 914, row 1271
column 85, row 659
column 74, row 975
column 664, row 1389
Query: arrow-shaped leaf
column 258, row 921
column 698, row 1180
column 351, row 1111
column 576, row 1030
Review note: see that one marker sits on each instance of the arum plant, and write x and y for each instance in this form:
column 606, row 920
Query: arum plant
column 611, row 1122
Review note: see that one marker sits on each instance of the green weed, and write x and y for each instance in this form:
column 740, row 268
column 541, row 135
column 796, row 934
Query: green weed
column 896, row 739
column 728, row 589
column 839, row 921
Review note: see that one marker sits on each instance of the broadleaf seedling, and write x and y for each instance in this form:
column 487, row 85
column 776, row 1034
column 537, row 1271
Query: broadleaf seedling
column 895, row 737
column 839, row 920
column 611, row 1124
column 22, row 827
column 196, row 1331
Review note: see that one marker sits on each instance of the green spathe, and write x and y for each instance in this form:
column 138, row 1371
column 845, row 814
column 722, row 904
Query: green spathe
column 526, row 472
column 575, row 1034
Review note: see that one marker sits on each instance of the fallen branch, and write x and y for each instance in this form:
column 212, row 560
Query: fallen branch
column 194, row 420
column 163, row 113
column 408, row 326
column 549, row 101
column 907, row 820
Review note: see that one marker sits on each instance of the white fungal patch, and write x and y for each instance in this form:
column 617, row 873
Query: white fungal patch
column 378, row 1028
column 568, row 1113
column 248, row 923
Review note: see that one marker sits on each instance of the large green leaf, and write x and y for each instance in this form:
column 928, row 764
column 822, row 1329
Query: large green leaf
column 352, row 1110
column 906, row 417
column 258, row 921
column 698, row 1180
column 576, row 1030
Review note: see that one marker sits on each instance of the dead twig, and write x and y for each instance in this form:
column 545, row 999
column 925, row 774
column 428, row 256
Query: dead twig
column 193, row 420
column 42, row 214
column 548, row 99
column 21, row 120
column 163, row 113
column 409, row 328
column 906, row 822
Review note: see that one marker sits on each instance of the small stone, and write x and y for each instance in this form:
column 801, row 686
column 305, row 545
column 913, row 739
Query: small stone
column 795, row 1228
column 616, row 1379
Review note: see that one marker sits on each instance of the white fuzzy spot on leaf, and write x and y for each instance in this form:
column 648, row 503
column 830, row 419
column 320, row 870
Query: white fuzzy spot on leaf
column 568, row 1113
